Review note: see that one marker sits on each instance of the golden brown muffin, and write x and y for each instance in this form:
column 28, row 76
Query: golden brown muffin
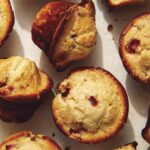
column 22, row 88
column 6, row 20
column 130, row 146
column 21, row 80
column 119, row 3
column 27, row 140
column 146, row 130
column 66, row 34
column 135, row 48
column 91, row 105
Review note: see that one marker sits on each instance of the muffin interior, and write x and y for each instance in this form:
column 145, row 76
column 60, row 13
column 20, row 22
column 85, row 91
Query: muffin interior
column 78, row 35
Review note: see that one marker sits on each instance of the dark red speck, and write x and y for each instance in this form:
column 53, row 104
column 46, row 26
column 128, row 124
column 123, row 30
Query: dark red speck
column 132, row 46
column 9, row 147
column 93, row 101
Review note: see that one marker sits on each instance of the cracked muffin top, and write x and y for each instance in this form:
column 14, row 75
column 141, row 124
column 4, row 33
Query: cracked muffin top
column 21, row 80
column 91, row 105
column 29, row 141
column 135, row 48
column 130, row 146
column 6, row 20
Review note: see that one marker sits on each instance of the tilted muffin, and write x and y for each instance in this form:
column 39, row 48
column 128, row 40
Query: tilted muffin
column 130, row 146
column 118, row 3
column 135, row 48
column 27, row 140
column 91, row 105
column 22, row 88
column 6, row 20
column 65, row 31
column 146, row 130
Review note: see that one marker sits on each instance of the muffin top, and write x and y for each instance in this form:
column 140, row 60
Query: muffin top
column 6, row 19
column 131, row 146
column 29, row 141
column 135, row 48
column 91, row 105
column 21, row 80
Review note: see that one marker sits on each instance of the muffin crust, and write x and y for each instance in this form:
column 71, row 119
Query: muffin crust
column 27, row 140
column 6, row 20
column 135, row 48
column 23, row 87
column 21, row 80
column 86, row 109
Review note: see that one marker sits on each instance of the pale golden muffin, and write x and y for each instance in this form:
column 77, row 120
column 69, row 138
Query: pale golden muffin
column 65, row 31
column 146, row 130
column 118, row 3
column 22, row 88
column 91, row 105
column 6, row 20
column 130, row 146
column 27, row 140
column 135, row 48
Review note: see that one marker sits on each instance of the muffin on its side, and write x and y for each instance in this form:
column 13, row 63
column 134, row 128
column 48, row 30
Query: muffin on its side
column 22, row 88
column 91, row 105
column 135, row 48
column 6, row 20
column 27, row 140
column 65, row 31
column 146, row 130
column 119, row 3
column 130, row 146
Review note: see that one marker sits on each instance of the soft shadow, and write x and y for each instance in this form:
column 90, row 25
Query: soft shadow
column 139, row 95
column 25, row 11
column 148, row 148
column 12, row 46
column 47, row 67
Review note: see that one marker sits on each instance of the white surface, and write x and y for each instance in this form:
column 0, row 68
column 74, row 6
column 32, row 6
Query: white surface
column 105, row 55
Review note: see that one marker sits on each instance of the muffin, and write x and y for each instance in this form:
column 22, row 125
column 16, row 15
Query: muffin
column 27, row 140
column 118, row 3
column 65, row 31
column 146, row 130
column 91, row 105
column 135, row 48
column 6, row 20
column 130, row 146
column 22, row 88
